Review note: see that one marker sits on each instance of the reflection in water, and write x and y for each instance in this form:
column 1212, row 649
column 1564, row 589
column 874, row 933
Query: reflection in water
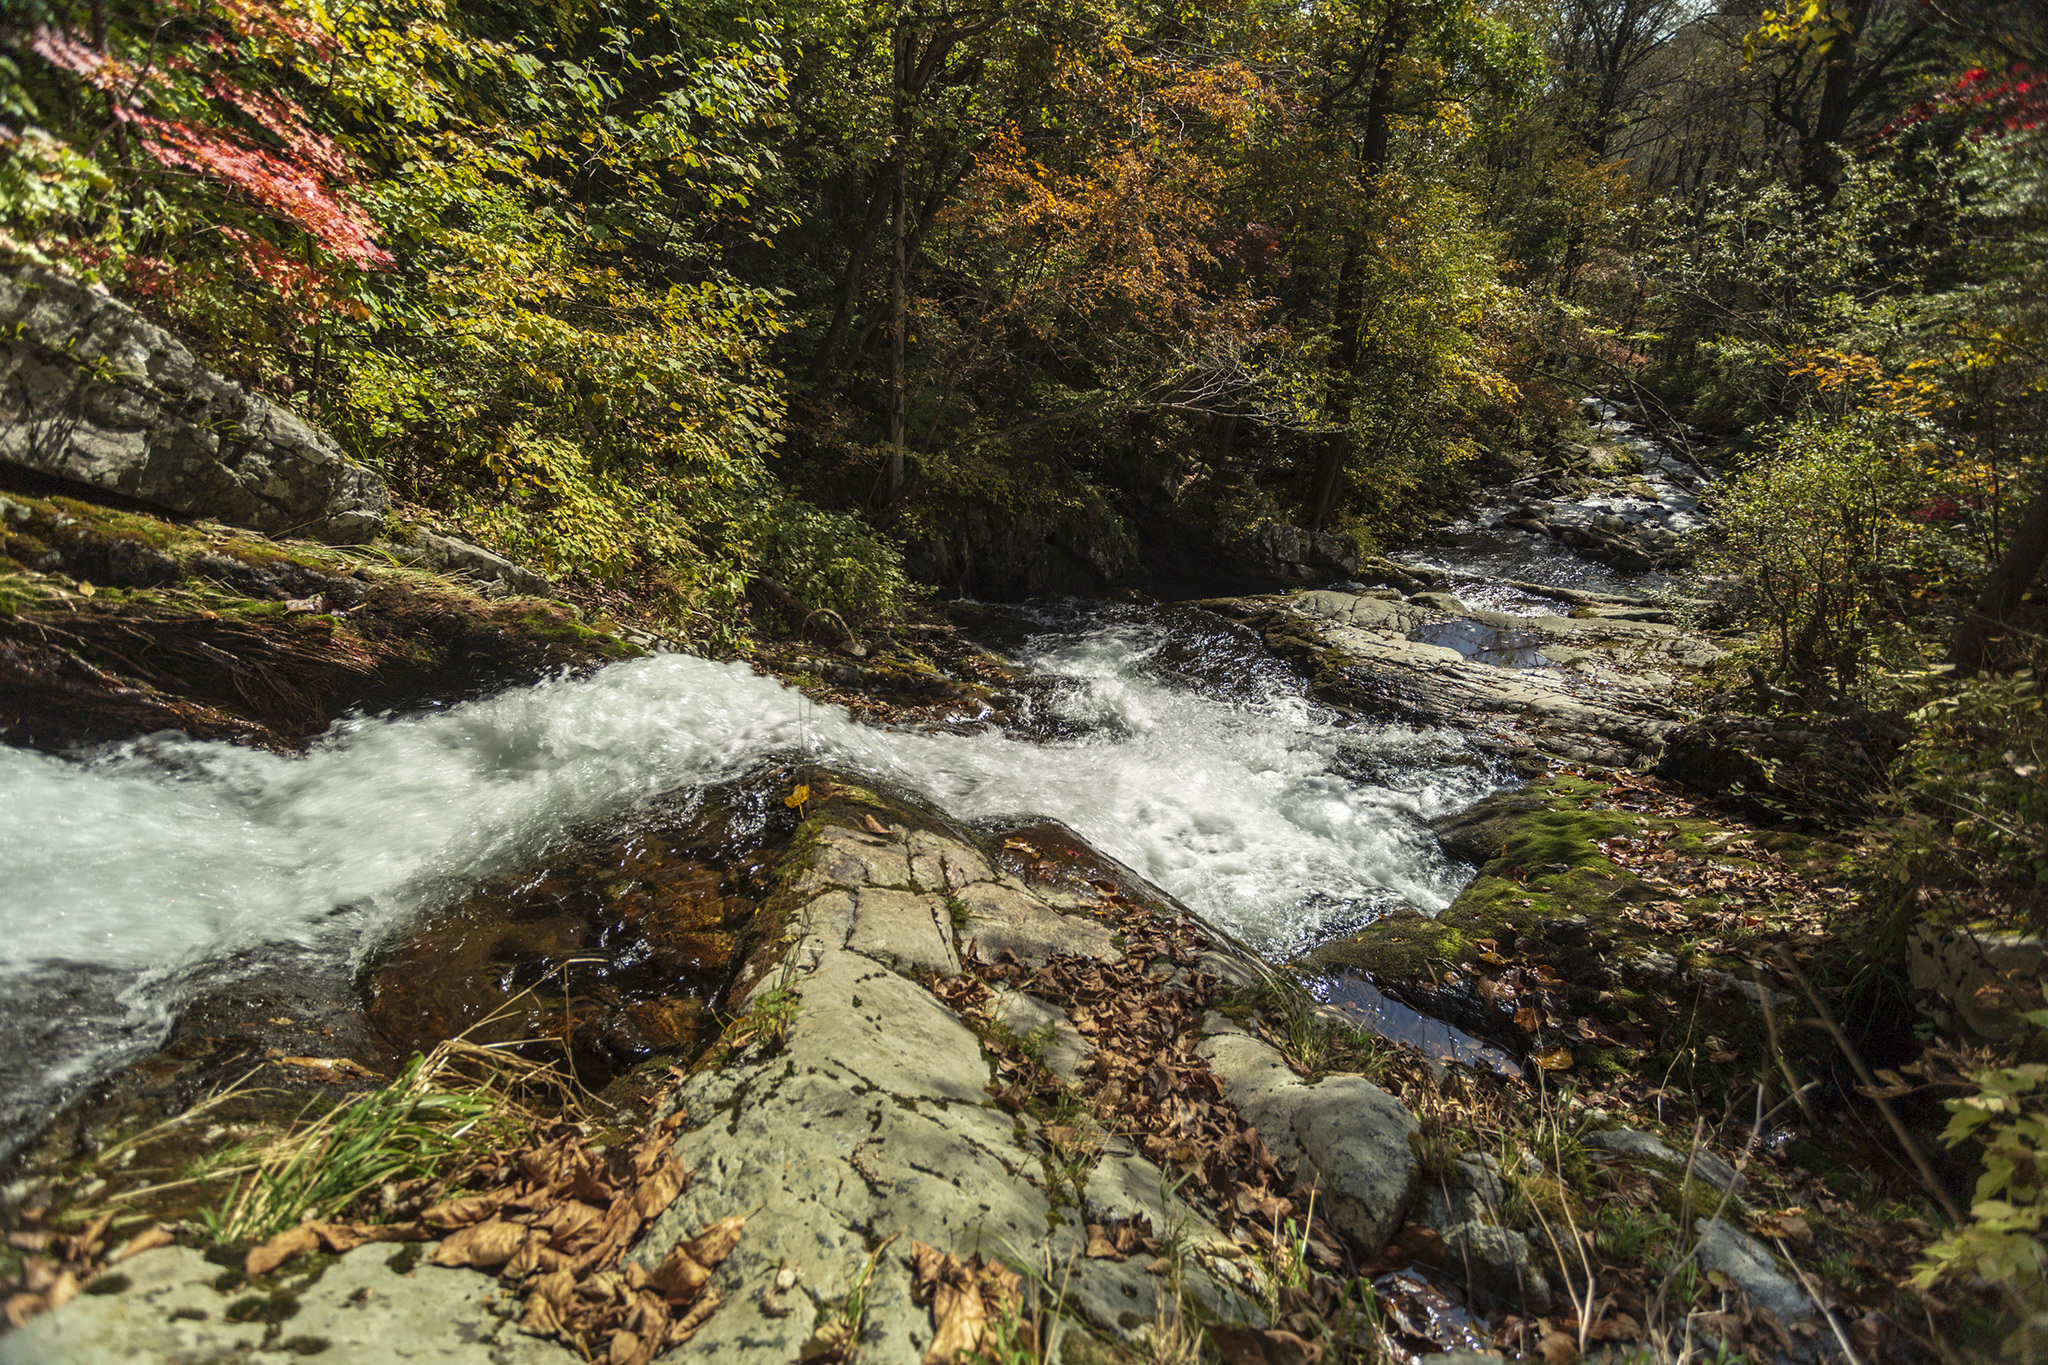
column 1483, row 644
column 1392, row 1019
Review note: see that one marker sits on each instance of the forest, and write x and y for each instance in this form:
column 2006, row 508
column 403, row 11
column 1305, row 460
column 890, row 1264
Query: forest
column 736, row 313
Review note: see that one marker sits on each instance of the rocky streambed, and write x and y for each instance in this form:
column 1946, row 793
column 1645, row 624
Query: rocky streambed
column 1134, row 948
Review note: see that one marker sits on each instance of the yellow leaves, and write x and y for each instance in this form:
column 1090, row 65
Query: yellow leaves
column 796, row 799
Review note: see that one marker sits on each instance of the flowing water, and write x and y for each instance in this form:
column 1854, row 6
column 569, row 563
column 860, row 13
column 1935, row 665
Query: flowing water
column 134, row 878
column 1166, row 737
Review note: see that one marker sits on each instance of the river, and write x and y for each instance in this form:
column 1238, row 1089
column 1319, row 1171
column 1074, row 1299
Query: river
column 1167, row 737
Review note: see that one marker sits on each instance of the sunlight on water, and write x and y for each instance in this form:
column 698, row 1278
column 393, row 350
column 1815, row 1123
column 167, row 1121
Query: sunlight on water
column 155, row 859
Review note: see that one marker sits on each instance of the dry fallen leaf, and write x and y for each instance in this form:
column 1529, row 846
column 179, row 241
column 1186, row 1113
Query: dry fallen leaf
column 268, row 1256
column 482, row 1246
column 1556, row 1059
column 150, row 1238
column 874, row 826
column 716, row 1242
column 333, row 1066
column 1251, row 1346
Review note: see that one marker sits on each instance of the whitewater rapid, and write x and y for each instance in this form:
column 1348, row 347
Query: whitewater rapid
column 142, row 869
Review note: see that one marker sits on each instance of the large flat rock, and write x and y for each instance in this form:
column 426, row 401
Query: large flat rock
column 360, row 1310
column 1598, row 691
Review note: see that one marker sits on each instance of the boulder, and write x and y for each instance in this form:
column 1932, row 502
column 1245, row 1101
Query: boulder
column 91, row 390
column 1754, row 1270
column 1350, row 1136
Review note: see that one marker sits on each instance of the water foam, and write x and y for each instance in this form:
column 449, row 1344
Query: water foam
column 155, row 862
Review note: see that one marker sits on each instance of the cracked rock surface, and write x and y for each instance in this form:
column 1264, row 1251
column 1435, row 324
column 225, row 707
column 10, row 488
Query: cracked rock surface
column 1592, row 687
column 861, row 1113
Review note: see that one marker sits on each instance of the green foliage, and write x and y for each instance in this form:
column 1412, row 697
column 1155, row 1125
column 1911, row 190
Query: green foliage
column 407, row 1130
column 1430, row 307
column 1975, row 765
column 2001, row 1245
column 1818, row 528
column 832, row 560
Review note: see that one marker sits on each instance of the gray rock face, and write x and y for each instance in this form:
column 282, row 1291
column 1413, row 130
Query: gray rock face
column 92, row 391
column 904, row 930
column 1025, row 1015
column 1743, row 1259
column 364, row 1311
column 1651, row 1150
column 1351, row 1135
column 1600, row 696
column 1001, row 919
column 875, row 1121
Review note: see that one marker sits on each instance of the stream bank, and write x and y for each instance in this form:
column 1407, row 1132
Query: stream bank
column 903, row 1013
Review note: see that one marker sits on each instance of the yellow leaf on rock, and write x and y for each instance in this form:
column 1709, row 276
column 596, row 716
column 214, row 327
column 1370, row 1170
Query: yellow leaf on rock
column 797, row 797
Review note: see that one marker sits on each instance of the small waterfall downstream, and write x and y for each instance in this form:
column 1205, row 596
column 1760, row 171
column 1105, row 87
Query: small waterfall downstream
column 1165, row 736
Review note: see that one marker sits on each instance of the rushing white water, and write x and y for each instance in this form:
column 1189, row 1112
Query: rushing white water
column 156, row 862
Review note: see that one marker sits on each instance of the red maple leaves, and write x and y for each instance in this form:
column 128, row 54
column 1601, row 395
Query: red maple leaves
column 270, row 156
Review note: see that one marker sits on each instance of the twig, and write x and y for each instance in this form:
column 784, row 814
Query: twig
column 1807, row 1284
column 1871, row 1088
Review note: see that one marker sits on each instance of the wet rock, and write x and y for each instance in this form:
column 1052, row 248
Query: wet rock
column 1001, row 919
column 635, row 936
column 1755, row 1271
column 1477, row 833
column 90, row 390
column 1601, row 696
column 1351, row 1136
column 1438, row 601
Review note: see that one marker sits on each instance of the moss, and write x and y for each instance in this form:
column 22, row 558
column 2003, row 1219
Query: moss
column 272, row 1308
column 109, row 1284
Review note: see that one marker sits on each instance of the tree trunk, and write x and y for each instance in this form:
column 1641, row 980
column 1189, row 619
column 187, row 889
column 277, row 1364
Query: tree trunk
column 849, row 289
column 1372, row 157
column 1818, row 158
column 2008, row 582
column 899, row 405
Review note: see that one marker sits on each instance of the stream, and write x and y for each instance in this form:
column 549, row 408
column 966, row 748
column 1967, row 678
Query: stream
column 137, row 876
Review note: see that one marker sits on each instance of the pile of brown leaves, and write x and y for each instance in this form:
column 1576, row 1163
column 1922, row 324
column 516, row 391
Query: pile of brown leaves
column 1145, row 1082
column 553, row 1218
column 964, row 1298
column 56, row 1266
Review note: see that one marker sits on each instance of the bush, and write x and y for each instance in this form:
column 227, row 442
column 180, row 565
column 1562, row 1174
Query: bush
column 1819, row 530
